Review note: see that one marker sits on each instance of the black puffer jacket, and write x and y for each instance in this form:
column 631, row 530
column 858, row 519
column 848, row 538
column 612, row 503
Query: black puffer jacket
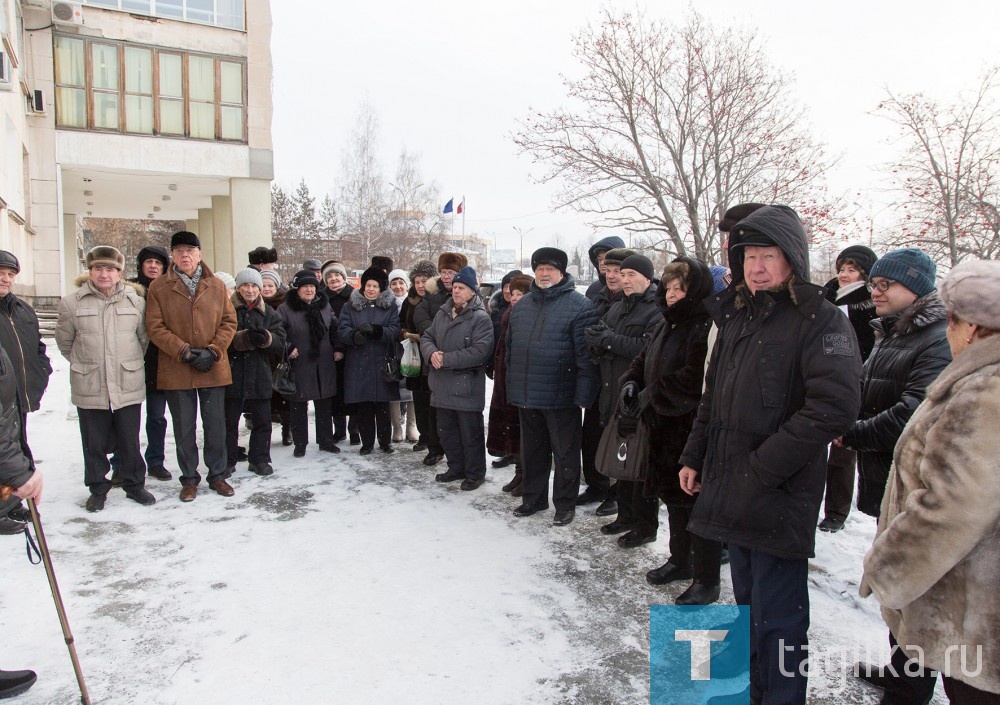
column 630, row 323
column 251, row 365
column 19, row 336
column 910, row 351
column 15, row 468
column 670, row 372
column 784, row 381
column 548, row 366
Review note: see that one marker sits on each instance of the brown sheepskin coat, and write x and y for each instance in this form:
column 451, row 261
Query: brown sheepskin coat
column 176, row 322
column 935, row 563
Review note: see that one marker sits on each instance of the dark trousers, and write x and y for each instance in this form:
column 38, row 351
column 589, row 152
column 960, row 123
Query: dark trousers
column 103, row 430
column 960, row 693
column 777, row 591
column 839, row 482
column 588, row 447
column 903, row 689
column 687, row 549
column 427, row 421
column 260, row 431
column 549, row 435
column 464, row 441
column 637, row 510
column 299, row 419
column 156, row 428
column 373, row 420
column 184, row 405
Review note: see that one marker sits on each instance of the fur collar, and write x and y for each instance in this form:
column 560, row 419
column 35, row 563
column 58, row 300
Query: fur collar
column 433, row 285
column 979, row 355
column 293, row 301
column 926, row 310
column 385, row 300
column 238, row 301
column 139, row 289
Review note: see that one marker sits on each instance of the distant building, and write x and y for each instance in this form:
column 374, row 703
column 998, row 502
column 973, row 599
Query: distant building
column 139, row 109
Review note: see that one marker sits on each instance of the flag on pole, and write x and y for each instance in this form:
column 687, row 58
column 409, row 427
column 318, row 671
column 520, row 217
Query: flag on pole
column 461, row 206
column 448, row 206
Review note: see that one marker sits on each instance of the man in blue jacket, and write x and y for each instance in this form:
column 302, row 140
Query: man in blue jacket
column 784, row 381
column 550, row 378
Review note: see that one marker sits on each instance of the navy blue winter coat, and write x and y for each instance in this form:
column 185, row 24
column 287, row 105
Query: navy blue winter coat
column 363, row 357
column 548, row 365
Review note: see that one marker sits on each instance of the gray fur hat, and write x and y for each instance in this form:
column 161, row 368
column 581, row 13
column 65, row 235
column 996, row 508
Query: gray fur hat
column 972, row 292
column 423, row 268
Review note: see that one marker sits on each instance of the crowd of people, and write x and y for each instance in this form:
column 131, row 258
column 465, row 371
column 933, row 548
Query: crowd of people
column 749, row 394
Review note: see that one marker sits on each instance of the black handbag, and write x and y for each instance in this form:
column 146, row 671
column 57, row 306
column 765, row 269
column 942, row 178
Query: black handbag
column 390, row 365
column 282, row 380
column 621, row 453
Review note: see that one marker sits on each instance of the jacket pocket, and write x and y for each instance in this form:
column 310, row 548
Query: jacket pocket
column 85, row 378
column 87, row 320
column 132, row 376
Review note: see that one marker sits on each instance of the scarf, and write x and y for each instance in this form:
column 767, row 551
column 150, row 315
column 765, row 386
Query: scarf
column 190, row 282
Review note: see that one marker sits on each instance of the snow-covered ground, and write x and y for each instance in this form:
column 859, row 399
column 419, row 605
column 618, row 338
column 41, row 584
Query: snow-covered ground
column 357, row 580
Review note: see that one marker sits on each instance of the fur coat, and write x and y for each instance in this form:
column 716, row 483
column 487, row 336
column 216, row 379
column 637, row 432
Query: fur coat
column 935, row 563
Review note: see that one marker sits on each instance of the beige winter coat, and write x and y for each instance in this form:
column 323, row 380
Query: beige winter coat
column 935, row 562
column 104, row 339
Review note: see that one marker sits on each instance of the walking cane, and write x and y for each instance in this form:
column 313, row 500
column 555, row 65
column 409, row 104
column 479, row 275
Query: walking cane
column 5, row 492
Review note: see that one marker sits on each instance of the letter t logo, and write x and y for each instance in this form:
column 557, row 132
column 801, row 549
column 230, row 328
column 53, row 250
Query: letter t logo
column 701, row 648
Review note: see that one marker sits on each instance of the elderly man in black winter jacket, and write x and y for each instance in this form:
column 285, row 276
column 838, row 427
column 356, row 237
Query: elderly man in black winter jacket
column 784, row 380
column 550, row 378
column 20, row 337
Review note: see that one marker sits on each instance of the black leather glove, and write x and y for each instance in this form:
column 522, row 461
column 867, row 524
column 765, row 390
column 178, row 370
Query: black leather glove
column 359, row 337
column 200, row 359
column 257, row 336
column 366, row 330
column 628, row 399
column 376, row 333
column 596, row 335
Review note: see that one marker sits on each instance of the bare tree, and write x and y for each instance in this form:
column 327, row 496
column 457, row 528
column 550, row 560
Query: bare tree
column 671, row 125
column 128, row 236
column 947, row 172
column 363, row 202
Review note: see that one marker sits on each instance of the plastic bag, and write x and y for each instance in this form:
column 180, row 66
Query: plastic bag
column 409, row 363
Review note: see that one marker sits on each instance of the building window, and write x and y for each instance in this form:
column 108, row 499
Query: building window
column 220, row 13
column 124, row 87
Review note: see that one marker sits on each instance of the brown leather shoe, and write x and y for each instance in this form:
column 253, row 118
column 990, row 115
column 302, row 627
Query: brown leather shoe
column 223, row 488
column 189, row 492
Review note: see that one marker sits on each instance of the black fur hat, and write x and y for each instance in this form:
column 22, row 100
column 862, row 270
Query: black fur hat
column 262, row 255
column 378, row 275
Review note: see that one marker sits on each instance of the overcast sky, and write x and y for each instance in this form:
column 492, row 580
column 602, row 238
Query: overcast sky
column 450, row 80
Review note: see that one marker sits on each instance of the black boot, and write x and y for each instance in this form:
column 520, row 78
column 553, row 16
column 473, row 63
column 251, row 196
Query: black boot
column 15, row 682
column 514, row 481
column 698, row 594
column 667, row 573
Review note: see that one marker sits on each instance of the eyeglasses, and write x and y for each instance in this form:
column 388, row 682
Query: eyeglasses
column 884, row 284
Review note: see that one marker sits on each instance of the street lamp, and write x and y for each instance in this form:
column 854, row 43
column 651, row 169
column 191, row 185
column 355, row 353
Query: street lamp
column 521, row 232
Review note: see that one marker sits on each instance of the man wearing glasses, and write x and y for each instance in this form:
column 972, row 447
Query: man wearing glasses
column 910, row 351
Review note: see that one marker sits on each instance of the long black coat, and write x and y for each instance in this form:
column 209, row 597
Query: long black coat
column 22, row 341
column 408, row 324
column 363, row 358
column 503, row 434
column 630, row 322
column 669, row 373
column 910, row 352
column 15, row 468
column 784, row 380
column 314, row 371
column 251, row 365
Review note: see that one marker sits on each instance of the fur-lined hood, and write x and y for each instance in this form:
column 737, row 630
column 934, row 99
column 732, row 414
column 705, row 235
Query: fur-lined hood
column 385, row 300
column 921, row 313
column 139, row 289
column 293, row 301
